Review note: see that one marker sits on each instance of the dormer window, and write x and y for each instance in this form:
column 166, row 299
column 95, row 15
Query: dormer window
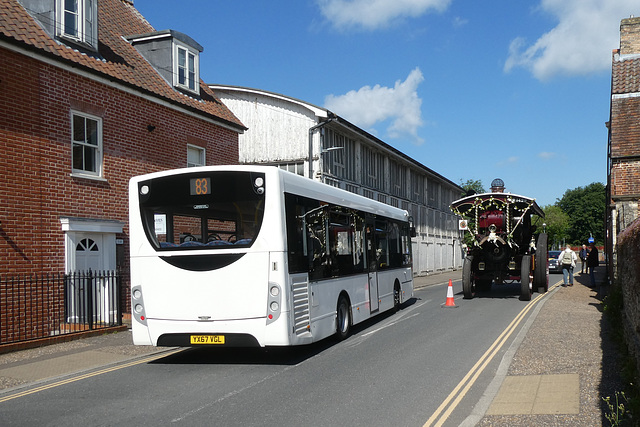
column 186, row 64
column 174, row 55
column 78, row 21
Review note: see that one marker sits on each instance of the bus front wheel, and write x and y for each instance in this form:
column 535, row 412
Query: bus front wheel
column 343, row 319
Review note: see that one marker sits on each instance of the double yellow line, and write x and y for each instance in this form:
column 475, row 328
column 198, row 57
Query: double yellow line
column 87, row 375
column 458, row 393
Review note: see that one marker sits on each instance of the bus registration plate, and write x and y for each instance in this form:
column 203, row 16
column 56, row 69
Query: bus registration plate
column 207, row 339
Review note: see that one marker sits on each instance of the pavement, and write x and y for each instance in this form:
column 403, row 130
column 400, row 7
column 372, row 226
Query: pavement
column 552, row 374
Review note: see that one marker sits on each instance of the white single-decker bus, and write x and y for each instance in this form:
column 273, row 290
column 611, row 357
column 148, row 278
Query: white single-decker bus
column 257, row 256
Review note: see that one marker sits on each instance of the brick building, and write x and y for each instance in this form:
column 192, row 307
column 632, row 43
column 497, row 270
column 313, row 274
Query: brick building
column 623, row 186
column 90, row 95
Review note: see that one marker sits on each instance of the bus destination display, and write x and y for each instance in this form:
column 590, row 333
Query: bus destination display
column 200, row 186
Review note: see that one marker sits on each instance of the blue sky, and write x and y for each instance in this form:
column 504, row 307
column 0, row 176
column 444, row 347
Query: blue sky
column 517, row 90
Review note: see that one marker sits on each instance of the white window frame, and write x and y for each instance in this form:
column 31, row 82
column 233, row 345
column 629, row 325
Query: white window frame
column 192, row 84
column 86, row 22
column 98, row 153
column 202, row 152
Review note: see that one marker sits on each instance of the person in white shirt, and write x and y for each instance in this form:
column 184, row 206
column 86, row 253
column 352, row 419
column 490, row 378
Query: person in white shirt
column 567, row 259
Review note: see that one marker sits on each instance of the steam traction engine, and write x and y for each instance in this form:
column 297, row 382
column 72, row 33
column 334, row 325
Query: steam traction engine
column 504, row 245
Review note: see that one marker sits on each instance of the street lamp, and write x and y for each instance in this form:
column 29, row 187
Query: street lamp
column 326, row 150
column 312, row 130
column 322, row 152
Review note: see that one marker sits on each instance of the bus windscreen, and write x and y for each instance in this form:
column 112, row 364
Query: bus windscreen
column 209, row 210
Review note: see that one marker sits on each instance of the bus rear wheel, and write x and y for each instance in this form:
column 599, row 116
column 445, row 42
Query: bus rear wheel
column 343, row 319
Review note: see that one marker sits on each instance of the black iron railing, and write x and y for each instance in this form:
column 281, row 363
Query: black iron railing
column 45, row 305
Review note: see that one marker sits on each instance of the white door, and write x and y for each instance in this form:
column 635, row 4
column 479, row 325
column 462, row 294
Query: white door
column 89, row 252
column 100, row 299
column 91, row 244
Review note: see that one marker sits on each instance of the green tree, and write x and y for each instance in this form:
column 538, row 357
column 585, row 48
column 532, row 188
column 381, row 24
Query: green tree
column 557, row 225
column 585, row 207
column 472, row 186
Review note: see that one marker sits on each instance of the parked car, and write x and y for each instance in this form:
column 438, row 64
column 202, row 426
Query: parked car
column 554, row 265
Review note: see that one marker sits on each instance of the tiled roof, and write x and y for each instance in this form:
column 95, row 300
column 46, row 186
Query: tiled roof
column 120, row 60
column 625, row 74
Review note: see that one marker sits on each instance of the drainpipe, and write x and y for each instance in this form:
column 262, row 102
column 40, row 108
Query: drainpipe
column 311, row 131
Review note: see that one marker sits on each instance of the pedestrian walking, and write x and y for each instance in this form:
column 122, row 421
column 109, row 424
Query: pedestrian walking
column 583, row 259
column 592, row 262
column 567, row 259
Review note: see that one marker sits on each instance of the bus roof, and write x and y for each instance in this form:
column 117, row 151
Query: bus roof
column 299, row 185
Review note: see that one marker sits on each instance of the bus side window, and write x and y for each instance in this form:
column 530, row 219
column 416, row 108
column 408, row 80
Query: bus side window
column 340, row 243
column 297, row 239
column 382, row 244
column 406, row 247
column 358, row 247
column 331, row 241
column 317, row 244
column 395, row 245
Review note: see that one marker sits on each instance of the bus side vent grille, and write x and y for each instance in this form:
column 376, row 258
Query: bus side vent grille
column 300, row 290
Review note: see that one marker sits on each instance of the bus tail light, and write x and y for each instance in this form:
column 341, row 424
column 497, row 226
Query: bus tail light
column 137, row 305
column 273, row 303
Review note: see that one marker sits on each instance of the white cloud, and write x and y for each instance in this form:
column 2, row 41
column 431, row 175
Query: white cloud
column 581, row 43
column 374, row 14
column 370, row 105
column 459, row 22
column 509, row 161
column 546, row 155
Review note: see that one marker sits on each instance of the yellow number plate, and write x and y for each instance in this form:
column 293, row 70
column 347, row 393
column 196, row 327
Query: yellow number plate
column 207, row 339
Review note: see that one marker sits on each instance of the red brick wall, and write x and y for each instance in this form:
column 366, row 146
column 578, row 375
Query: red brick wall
column 625, row 145
column 625, row 127
column 625, row 178
column 36, row 186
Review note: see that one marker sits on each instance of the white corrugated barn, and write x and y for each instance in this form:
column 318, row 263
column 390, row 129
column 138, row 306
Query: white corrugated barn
column 314, row 142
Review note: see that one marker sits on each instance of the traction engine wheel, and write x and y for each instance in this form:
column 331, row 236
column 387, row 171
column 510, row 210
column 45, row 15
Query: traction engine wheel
column 468, row 285
column 526, row 280
column 541, row 272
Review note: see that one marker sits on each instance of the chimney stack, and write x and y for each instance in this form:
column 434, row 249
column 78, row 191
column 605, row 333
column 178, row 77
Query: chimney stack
column 630, row 36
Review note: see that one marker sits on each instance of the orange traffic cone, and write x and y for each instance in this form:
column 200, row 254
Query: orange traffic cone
column 450, row 302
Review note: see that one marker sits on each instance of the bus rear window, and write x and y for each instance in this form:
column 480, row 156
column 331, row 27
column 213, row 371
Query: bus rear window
column 204, row 210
